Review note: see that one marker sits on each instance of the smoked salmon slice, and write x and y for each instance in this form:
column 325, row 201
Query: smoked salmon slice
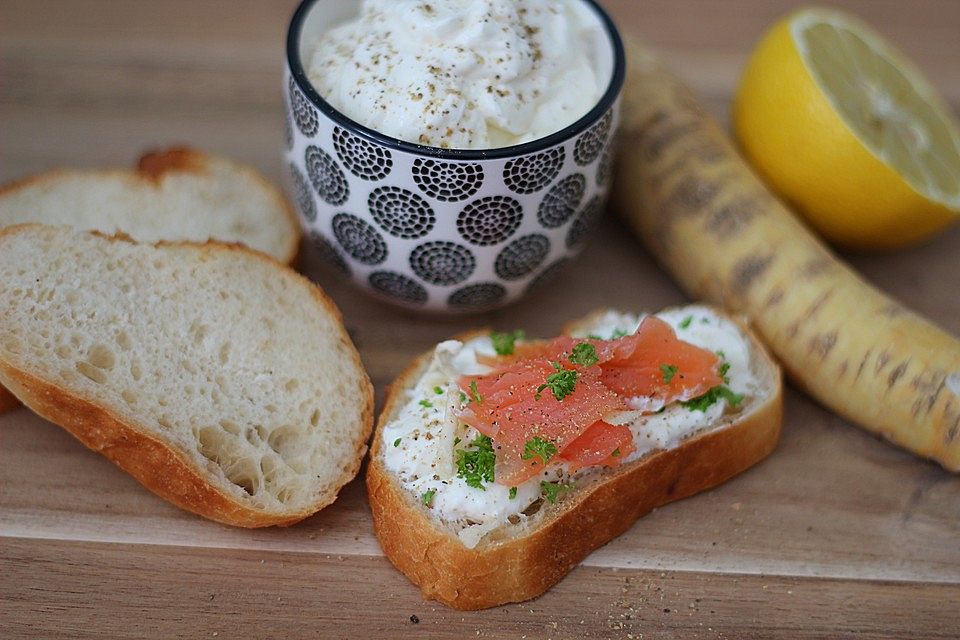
column 505, row 406
column 529, row 424
column 651, row 363
column 654, row 363
column 601, row 444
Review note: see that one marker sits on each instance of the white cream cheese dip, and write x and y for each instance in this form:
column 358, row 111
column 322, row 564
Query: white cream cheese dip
column 465, row 74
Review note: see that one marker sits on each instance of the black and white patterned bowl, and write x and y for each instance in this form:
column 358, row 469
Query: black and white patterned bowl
column 440, row 229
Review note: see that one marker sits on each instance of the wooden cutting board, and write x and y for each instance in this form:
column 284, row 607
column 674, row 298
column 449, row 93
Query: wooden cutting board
column 836, row 534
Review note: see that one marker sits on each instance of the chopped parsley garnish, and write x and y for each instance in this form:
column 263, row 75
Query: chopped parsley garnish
column 504, row 343
column 619, row 333
column 427, row 497
column 426, row 404
column 476, row 465
column 685, row 322
column 463, row 397
column 704, row 402
column 396, row 442
column 561, row 383
column 724, row 368
column 616, row 453
column 438, row 390
column 513, row 492
column 539, row 448
column 594, row 336
column 474, row 394
column 456, row 440
column 552, row 490
column 668, row 371
column 584, row 354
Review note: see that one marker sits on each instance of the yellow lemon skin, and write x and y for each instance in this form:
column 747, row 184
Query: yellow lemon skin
column 802, row 148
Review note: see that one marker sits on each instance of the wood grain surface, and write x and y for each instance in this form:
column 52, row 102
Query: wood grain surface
column 836, row 535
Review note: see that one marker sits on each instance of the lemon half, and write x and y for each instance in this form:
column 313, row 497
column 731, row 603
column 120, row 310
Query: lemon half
column 849, row 132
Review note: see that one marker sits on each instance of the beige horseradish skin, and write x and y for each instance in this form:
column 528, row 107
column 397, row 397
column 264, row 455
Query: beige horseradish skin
column 464, row 74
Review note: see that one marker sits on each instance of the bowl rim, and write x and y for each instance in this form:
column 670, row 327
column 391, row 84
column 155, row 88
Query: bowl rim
column 607, row 100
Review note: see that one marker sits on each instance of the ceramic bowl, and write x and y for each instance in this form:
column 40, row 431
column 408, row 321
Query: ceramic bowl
column 440, row 229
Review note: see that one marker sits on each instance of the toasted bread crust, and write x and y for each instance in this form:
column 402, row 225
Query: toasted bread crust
column 157, row 465
column 524, row 567
column 154, row 164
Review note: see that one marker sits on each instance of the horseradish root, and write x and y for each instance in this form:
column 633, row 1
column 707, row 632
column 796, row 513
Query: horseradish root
column 714, row 225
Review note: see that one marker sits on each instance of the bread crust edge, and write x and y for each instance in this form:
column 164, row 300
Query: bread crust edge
column 524, row 567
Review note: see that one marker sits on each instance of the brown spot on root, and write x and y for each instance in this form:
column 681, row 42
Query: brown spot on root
column 897, row 373
column 793, row 330
column 733, row 217
column 932, row 400
column 704, row 152
column 952, row 433
column 882, row 360
column 155, row 164
column 775, row 298
column 709, row 152
column 748, row 270
column 844, row 366
column 863, row 364
column 822, row 345
column 654, row 144
column 635, row 135
column 691, row 195
column 817, row 267
column 655, row 119
column 817, row 304
column 929, row 385
column 951, row 409
column 656, row 179
column 685, row 100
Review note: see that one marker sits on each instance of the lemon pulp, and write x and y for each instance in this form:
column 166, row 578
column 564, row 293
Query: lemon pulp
column 887, row 103
column 848, row 132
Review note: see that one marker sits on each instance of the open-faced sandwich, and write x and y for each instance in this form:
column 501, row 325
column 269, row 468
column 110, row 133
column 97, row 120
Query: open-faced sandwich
column 499, row 463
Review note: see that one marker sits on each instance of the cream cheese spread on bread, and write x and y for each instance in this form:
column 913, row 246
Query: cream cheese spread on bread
column 419, row 444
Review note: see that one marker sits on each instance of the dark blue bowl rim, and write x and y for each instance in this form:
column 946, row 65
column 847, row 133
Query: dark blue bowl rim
column 606, row 101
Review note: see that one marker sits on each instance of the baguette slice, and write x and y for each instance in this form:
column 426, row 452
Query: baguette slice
column 219, row 378
column 516, row 562
column 173, row 195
